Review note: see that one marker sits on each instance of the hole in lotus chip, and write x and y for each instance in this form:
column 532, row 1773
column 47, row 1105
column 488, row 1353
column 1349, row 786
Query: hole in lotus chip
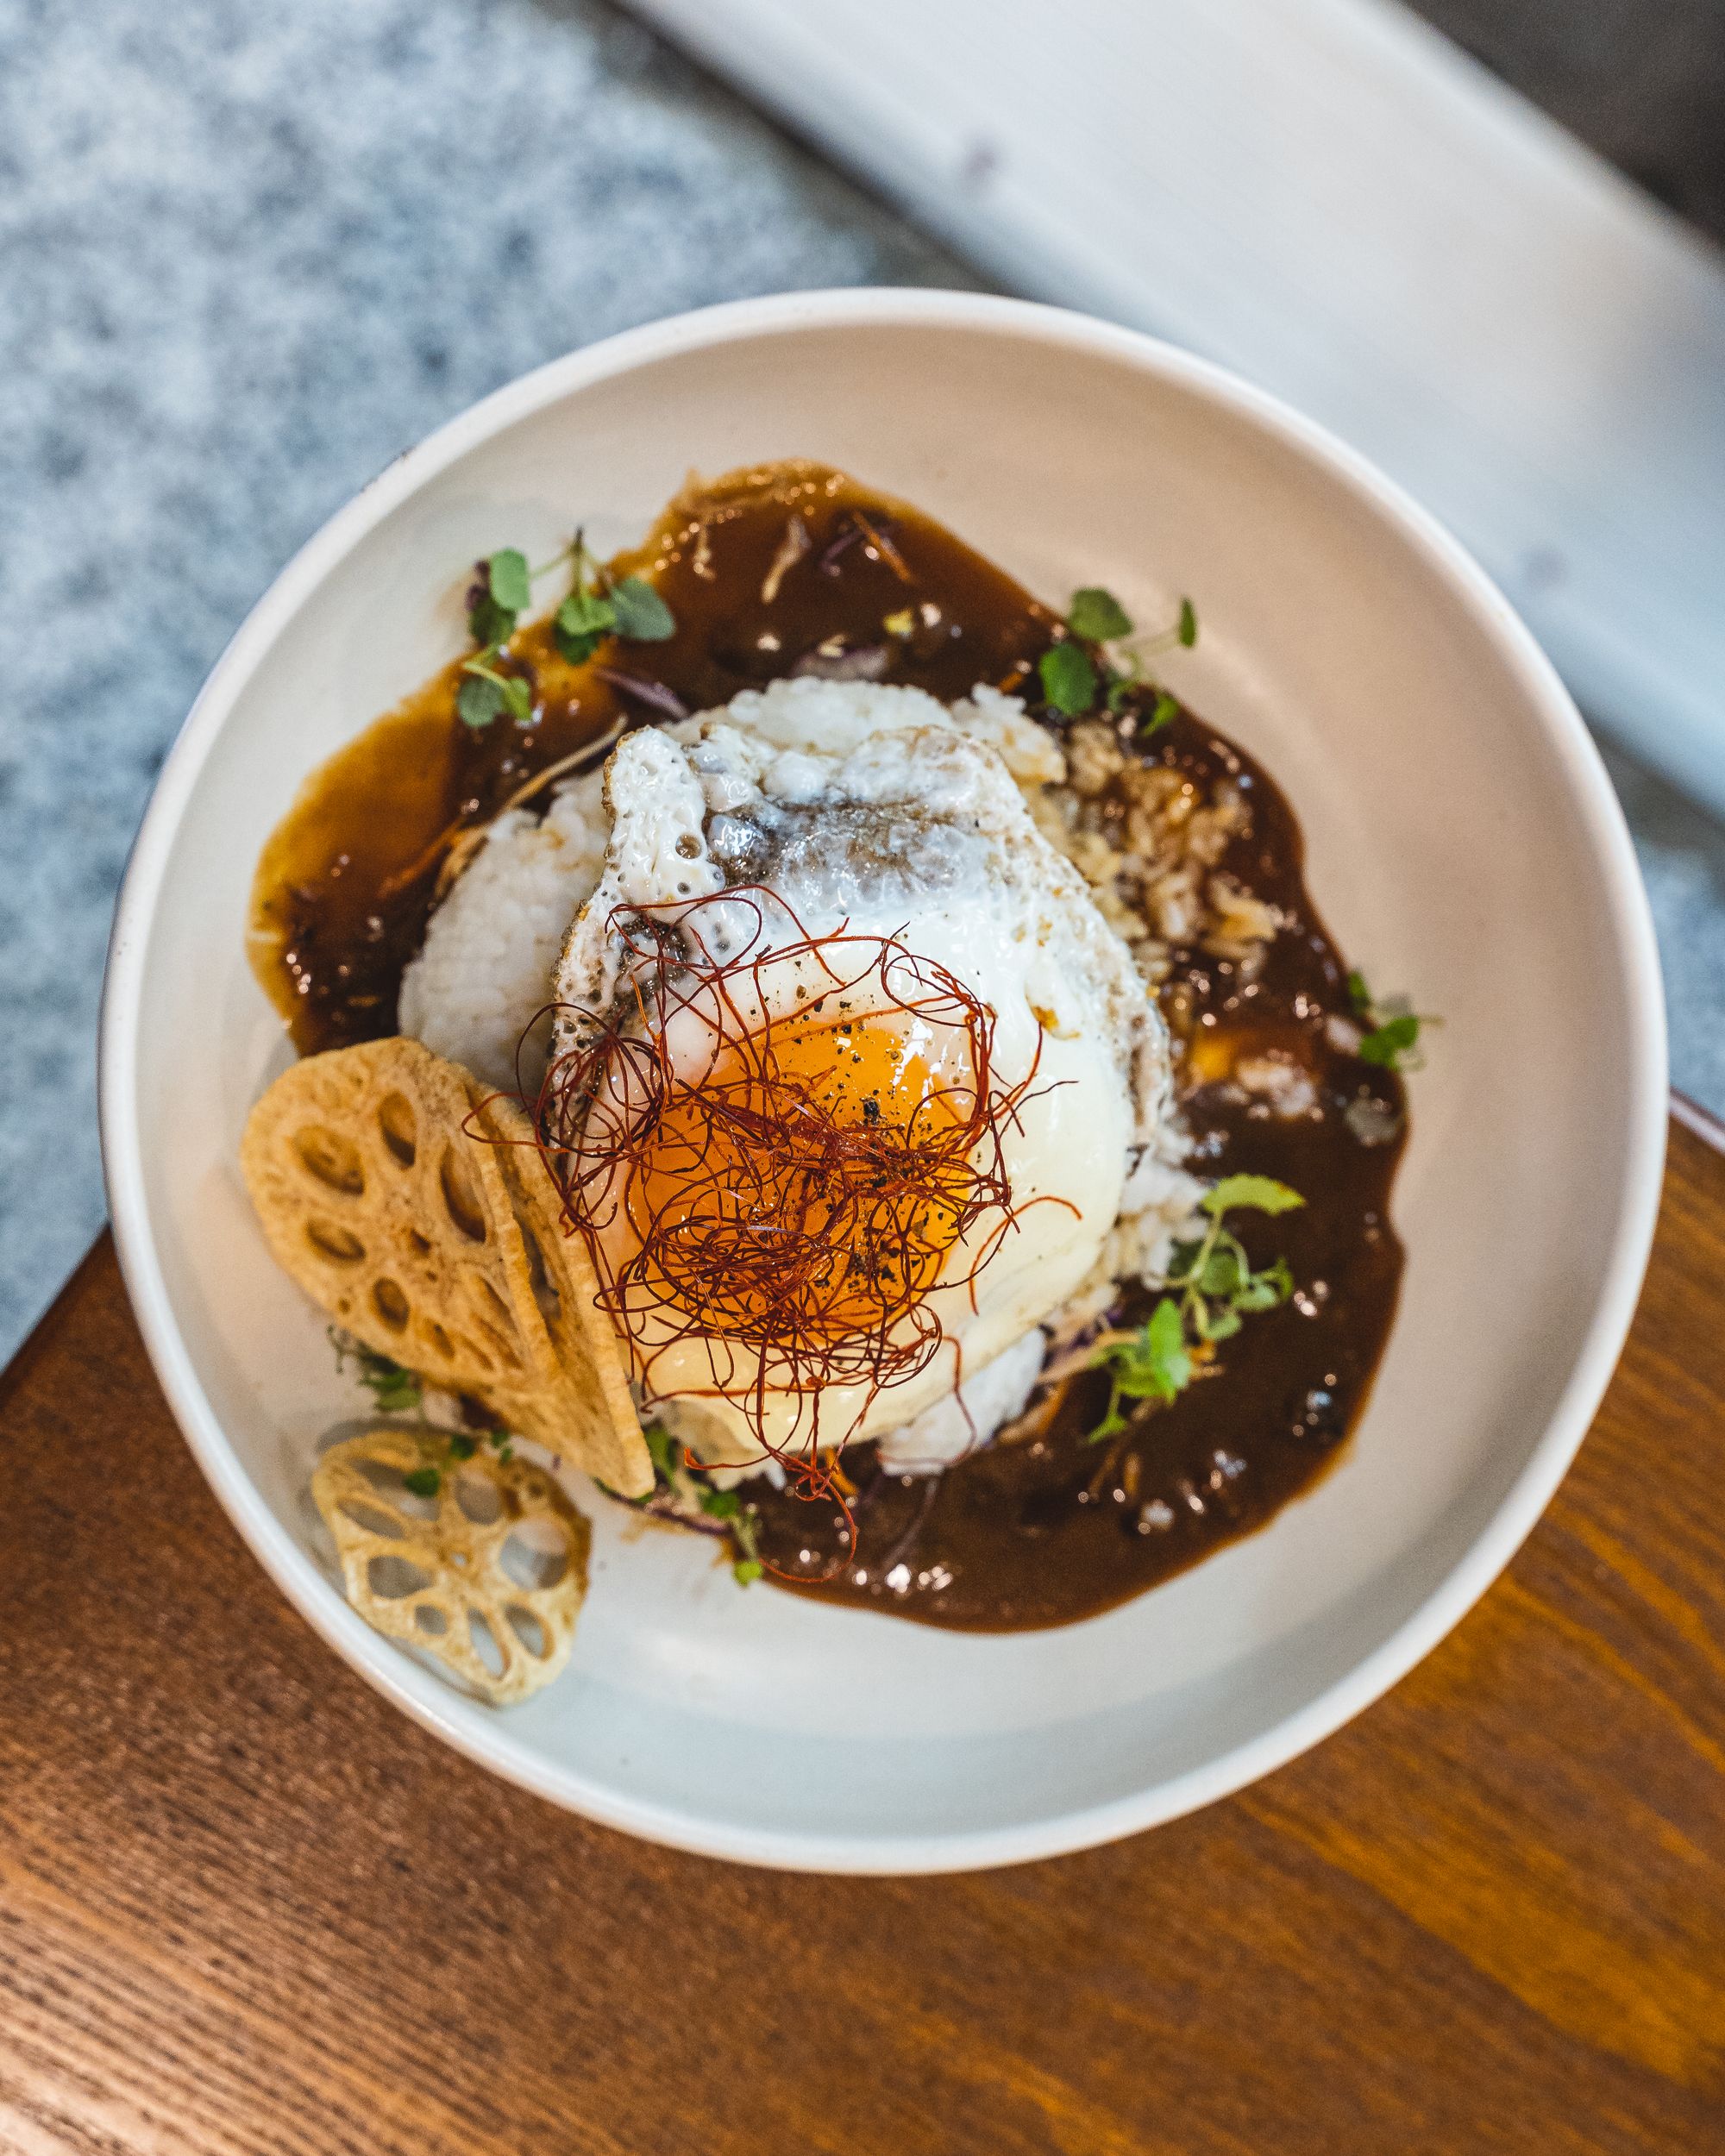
column 373, row 1518
column 382, row 1474
column 535, row 1555
column 493, row 1322
column 544, row 1290
column 485, row 1645
column 479, row 1499
column 329, row 1241
column 331, row 1158
column 391, row 1305
column 466, row 1349
column 528, row 1630
column 392, row 1578
column 502, row 1350
column 386, row 1478
column 431, row 1620
column 461, row 1197
column 492, row 1307
column 399, row 1128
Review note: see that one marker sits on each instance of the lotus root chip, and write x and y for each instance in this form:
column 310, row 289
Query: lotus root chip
column 486, row 1573
column 589, row 1415
column 377, row 1197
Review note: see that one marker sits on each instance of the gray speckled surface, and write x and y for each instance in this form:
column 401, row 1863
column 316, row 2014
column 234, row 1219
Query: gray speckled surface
column 247, row 254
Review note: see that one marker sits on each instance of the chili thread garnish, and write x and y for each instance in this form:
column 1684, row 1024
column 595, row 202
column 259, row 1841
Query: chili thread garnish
column 745, row 1200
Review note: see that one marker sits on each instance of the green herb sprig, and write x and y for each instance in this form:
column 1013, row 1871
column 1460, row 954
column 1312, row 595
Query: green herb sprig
column 689, row 1489
column 727, row 1505
column 1071, row 679
column 425, row 1482
column 597, row 607
column 499, row 595
column 394, row 1391
column 1393, row 1028
column 485, row 692
column 1161, row 712
column 1097, row 616
column 1068, row 679
column 1214, row 1289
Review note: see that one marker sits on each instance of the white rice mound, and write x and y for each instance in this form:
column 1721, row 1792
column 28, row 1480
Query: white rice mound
column 492, row 946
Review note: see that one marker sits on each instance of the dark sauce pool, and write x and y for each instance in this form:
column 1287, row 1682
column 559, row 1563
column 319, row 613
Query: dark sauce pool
column 1050, row 1528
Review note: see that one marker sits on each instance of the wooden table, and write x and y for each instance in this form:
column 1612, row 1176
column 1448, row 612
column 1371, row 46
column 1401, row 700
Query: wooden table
column 246, row 1907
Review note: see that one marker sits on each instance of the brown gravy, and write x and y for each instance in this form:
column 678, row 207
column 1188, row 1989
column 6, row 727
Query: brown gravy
column 1020, row 1536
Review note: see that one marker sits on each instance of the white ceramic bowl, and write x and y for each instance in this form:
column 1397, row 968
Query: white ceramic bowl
column 1463, row 844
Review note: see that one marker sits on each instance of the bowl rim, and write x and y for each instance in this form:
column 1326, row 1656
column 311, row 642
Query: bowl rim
column 420, row 1694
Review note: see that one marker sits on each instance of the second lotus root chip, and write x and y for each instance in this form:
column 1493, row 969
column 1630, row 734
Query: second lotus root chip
column 588, row 1414
column 483, row 1564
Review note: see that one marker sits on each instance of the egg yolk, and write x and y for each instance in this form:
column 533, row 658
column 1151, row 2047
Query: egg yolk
column 810, row 1183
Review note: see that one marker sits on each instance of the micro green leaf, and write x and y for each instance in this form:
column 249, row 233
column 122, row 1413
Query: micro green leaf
column 518, row 698
column 1182, row 630
column 1392, row 1025
column 720, row 1504
column 662, row 1449
column 511, row 586
column 463, row 1448
column 1220, row 1321
column 489, row 624
column 1163, row 1366
column 1386, row 1045
column 424, row 1481
column 478, row 701
column 1111, row 1423
column 1097, row 615
column 394, row 1390
column 1152, row 1363
column 1263, row 1194
column 1265, row 1290
column 1161, row 712
column 641, row 615
column 747, row 1570
column 581, row 624
column 1224, row 1270
column 1068, row 679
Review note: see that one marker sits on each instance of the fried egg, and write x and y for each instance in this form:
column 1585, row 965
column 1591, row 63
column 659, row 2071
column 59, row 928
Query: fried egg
column 760, row 861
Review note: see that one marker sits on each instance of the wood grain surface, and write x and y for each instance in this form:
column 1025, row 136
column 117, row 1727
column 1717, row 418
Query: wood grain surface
column 246, row 1908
